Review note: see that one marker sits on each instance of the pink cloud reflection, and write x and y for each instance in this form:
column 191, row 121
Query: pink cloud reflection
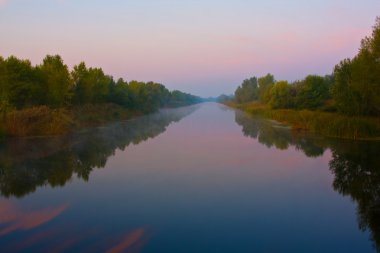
column 130, row 243
column 14, row 219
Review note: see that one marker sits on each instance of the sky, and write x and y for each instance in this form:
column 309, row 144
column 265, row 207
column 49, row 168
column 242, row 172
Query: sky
column 205, row 47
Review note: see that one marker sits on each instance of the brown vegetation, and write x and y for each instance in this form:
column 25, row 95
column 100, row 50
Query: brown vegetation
column 45, row 121
column 40, row 120
column 319, row 122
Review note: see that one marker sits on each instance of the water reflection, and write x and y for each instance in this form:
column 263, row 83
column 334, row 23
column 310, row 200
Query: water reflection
column 355, row 165
column 28, row 230
column 273, row 134
column 132, row 242
column 12, row 218
column 26, row 164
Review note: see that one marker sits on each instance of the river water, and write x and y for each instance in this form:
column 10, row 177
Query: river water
column 203, row 178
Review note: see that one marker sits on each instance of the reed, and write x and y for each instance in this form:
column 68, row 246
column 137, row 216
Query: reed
column 45, row 121
column 325, row 123
column 36, row 121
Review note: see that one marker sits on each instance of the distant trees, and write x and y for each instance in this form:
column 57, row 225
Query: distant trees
column 177, row 97
column 148, row 96
column 353, row 88
column 52, row 84
column 224, row 98
column 310, row 93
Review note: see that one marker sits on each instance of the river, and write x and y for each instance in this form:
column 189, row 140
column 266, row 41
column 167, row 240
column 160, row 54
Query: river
column 203, row 178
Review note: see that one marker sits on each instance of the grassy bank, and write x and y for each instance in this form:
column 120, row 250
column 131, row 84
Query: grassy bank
column 45, row 121
column 323, row 123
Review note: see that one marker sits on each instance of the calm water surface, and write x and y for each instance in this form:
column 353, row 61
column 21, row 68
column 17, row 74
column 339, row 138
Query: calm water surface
column 203, row 178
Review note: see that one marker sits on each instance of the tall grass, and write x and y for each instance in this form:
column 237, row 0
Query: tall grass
column 36, row 121
column 45, row 121
column 324, row 123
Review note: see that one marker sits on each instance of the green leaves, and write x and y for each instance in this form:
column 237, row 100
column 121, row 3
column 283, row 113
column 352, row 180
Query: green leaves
column 357, row 81
column 248, row 91
column 56, row 81
column 280, row 95
column 312, row 92
column 51, row 84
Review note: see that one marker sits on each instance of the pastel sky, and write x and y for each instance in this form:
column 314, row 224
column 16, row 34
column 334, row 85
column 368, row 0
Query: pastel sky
column 206, row 47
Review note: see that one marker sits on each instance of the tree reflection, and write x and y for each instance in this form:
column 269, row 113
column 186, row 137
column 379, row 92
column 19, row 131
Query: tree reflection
column 355, row 165
column 26, row 164
column 273, row 134
column 357, row 174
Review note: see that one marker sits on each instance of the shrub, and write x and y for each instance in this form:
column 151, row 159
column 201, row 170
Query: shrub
column 37, row 121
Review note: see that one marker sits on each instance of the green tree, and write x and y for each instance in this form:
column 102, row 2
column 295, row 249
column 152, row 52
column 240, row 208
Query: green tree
column 4, row 89
column 357, row 82
column 265, row 85
column 56, row 81
column 18, row 83
column 120, row 94
column 281, row 95
column 248, row 91
column 312, row 92
column 102, row 84
column 90, row 85
column 344, row 95
column 82, row 84
column 50, row 83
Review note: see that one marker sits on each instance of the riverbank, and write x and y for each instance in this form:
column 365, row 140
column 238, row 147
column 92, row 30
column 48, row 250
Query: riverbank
column 328, row 124
column 45, row 121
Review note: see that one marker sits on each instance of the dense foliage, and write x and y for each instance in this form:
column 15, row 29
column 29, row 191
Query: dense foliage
column 311, row 93
column 353, row 88
column 248, row 91
column 357, row 86
column 52, row 84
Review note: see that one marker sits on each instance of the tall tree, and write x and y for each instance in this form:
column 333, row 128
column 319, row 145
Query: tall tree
column 56, row 81
column 19, row 83
column 265, row 84
column 357, row 81
column 312, row 92
column 248, row 91
column 281, row 95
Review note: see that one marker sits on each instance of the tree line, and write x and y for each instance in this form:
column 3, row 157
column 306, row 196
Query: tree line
column 352, row 89
column 52, row 84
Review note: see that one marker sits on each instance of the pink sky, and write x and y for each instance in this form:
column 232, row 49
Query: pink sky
column 203, row 47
